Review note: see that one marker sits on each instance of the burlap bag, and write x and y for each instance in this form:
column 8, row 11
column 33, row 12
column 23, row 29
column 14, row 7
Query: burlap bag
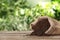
column 45, row 25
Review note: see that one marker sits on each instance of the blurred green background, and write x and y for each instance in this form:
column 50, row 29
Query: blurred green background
column 16, row 15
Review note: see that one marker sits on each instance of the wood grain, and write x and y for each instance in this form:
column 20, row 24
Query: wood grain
column 24, row 35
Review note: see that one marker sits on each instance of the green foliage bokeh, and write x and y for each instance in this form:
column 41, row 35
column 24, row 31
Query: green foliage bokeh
column 16, row 15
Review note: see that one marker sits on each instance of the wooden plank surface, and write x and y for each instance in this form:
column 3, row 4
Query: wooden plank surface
column 24, row 35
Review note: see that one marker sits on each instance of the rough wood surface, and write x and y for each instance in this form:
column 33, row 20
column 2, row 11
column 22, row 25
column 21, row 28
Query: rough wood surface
column 45, row 25
column 24, row 35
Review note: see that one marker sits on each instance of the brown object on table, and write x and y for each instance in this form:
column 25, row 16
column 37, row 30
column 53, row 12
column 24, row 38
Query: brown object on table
column 45, row 25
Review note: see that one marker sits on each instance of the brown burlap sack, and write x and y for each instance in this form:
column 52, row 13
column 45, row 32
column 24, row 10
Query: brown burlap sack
column 45, row 26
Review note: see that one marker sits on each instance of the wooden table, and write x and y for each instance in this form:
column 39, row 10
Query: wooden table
column 24, row 35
